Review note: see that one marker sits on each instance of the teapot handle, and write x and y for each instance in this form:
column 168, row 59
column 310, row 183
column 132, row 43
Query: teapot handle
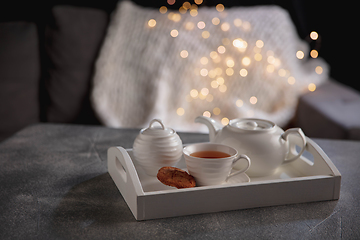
column 303, row 138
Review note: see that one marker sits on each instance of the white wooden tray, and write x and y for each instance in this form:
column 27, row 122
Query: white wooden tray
column 313, row 177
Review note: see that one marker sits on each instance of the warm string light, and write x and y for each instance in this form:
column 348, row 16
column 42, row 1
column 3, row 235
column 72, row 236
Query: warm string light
column 205, row 34
column 291, row 80
column 239, row 103
column 207, row 114
column 311, row 87
column 152, row 23
column 180, row 111
column 174, row 33
column 171, row 2
column 200, row 25
column 314, row 35
column 184, row 54
column 218, row 81
column 220, row 7
column 319, row 70
column 225, row 121
column 216, row 111
column 300, row 54
column 163, row 9
column 314, row 53
column 243, row 72
column 176, row 17
column 253, row 100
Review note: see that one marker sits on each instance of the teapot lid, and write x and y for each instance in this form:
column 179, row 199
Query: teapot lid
column 154, row 131
column 252, row 124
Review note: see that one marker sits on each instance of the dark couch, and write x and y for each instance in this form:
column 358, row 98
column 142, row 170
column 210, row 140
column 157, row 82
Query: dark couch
column 46, row 66
column 47, row 61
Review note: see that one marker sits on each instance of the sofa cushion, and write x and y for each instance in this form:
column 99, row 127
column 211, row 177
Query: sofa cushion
column 73, row 38
column 332, row 111
column 19, row 76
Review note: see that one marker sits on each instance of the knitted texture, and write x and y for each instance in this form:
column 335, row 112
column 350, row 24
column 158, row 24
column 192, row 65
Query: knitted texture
column 213, row 64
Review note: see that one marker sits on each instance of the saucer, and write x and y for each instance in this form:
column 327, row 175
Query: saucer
column 239, row 178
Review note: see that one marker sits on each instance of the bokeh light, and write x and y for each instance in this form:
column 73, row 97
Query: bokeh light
column 184, row 54
column 174, row 33
column 312, row 87
column 220, row 7
column 152, row 23
column 314, row 35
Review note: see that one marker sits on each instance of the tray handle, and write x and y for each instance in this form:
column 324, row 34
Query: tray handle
column 321, row 163
column 123, row 173
column 122, row 169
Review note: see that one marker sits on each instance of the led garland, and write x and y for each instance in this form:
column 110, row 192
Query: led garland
column 218, row 81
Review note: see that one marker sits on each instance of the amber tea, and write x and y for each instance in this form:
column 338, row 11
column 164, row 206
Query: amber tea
column 210, row 154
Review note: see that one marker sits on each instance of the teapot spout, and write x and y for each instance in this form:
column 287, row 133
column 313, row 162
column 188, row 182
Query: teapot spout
column 214, row 126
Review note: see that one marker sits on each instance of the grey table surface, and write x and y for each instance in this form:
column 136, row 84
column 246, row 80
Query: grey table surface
column 54, row 185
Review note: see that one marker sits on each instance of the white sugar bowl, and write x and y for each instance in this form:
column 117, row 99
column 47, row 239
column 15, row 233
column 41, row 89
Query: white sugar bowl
column 156, row 147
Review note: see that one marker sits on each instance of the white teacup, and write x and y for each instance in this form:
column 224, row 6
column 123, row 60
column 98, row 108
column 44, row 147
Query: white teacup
column 211, row 163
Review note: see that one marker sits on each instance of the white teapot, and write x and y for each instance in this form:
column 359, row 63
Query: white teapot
column 265, row 143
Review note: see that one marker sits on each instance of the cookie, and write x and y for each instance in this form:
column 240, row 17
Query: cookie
column 175, row 177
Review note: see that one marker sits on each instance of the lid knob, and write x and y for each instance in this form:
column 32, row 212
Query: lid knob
column 251, row 124
column 157, row 131
column 158, row 121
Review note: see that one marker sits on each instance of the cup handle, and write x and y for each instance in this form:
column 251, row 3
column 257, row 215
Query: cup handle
column 241, row 156
column 303, row 138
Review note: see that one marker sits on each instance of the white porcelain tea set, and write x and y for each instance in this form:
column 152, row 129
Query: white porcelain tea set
column 255, row 146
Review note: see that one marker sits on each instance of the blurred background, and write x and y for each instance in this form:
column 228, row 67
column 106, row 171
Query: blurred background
column 32, row 88
column 334, row 21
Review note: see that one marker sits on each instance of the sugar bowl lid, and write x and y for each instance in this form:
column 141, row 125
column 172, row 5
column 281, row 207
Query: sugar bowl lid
column 251, row 124
column 156, row 131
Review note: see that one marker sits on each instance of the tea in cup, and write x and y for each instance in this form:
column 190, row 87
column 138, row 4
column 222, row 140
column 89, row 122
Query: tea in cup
column 211, row 163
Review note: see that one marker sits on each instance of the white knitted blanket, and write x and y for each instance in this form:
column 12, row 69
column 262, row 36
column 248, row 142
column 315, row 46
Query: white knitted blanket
column 212, row 63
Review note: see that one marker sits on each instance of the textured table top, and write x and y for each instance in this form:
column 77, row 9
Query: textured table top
column 54, row 185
